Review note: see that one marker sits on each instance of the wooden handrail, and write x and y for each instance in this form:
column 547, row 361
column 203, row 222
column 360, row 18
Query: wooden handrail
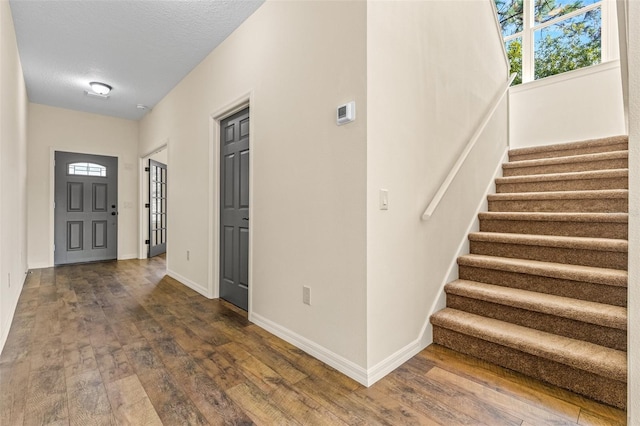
column 444, row 187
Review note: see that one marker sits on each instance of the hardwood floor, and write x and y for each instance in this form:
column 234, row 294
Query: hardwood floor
column 120, row 343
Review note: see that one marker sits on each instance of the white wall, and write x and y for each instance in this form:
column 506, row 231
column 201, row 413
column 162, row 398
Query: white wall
column 633, row 308
column 577, row 105
column 13, row 173
column 433, row 69
column 56, row 129
column 296, row 61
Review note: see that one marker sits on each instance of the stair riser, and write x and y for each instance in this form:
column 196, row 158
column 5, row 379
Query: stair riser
column 602, row 205
column 605, row 336
column 573, row 256
column 621, row 146
column 614, row 230
column 600, row 388
column 616, row 163
column 568, row 185
column 593, row 292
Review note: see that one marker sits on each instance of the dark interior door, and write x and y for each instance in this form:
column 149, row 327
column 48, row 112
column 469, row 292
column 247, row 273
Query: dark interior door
column 86, row 213
column 157, row 208
column 234, row 209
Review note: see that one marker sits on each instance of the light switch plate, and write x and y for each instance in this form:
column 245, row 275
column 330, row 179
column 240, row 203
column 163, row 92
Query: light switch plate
column 384, row 199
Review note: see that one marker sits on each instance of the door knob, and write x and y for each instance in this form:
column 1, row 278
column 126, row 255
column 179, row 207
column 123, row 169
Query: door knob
column 114, row 213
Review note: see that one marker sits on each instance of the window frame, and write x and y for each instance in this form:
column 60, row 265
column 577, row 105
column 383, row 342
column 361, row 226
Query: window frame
column 89, row 164
column 529, row 28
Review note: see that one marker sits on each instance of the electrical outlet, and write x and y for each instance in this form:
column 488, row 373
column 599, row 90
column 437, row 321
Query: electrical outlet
column 9, row 278
column 306, row 295
column 188, row 254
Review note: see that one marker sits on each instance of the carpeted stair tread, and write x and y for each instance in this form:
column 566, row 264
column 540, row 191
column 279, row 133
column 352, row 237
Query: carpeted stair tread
column 575, row 224
column 596, row 359
column 567, row 177
column 565, row 307
column 560, row 195
column 613, row 143
column 598, row 244
column 604, row 276
column 581, row 158
column 574, row 163
column 558, row 217
column 600, row 201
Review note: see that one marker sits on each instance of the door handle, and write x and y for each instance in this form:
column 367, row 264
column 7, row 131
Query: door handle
column 245, row 218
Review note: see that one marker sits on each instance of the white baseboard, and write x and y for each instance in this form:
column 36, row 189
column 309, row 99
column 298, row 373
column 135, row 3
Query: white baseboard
column 40, row 266
column 11, row 314
column 5, row 332
column 191, row 284
column 330, row 358
column 394, row 361
column 128, row 256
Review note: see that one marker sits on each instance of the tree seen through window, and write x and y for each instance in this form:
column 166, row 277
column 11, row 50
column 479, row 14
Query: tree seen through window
column 558, row 44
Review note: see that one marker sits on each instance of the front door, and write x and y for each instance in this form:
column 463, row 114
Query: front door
column 86, row 212
column 157, row 208
column 234, row 209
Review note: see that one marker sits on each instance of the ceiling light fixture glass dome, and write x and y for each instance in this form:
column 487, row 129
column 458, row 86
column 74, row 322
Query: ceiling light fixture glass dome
column 100, row 88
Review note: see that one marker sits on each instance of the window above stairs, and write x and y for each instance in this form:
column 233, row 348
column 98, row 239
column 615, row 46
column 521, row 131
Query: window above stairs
column 550, row 37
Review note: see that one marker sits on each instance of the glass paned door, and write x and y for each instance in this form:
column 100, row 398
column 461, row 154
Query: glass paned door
column 157, row 208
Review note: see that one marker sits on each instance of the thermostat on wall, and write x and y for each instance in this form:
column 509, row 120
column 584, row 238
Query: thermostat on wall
column 346, row 113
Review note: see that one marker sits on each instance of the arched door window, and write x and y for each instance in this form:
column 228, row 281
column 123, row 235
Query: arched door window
column 87, row 169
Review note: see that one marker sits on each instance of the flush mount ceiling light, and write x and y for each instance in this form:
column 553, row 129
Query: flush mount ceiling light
column 100, row 88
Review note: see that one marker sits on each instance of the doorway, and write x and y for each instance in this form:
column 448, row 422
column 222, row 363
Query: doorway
column 157, row 208
column 234, row 209
column 154, row 203
column 85, row 208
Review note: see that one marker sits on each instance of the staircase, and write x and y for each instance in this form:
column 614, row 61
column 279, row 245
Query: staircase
column 544, row 290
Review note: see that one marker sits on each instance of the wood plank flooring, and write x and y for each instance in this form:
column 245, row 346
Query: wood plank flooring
column 119, row 343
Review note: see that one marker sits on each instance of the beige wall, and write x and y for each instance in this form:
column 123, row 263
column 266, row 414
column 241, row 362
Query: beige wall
column 56, row 129
column 633, row 408
column 13, row 172
column 573, row 106
column 433, row 69
column 297, row 61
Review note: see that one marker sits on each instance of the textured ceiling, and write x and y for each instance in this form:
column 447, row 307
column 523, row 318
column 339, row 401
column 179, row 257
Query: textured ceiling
column 142, row 48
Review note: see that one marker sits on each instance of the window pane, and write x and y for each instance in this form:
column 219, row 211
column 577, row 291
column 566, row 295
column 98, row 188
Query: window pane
column 87, row 169
column 546, row 10
column 514, row 52
column 568, row 45
column 509, row 16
